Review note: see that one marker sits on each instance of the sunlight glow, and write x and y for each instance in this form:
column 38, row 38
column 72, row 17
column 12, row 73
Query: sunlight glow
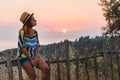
column 64, row 30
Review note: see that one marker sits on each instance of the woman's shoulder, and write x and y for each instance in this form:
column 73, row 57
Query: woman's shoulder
column 21, row 30
column 35, row 30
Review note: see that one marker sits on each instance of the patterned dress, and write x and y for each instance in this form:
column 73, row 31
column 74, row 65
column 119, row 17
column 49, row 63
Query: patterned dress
column 30, row 43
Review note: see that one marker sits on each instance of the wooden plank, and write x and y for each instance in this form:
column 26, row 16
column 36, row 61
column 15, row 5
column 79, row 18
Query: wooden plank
column 58, row 66
column 95, row 63
column 105, row 64
column 19, row 70
column 118, row 60
column 48, row 61
column 73, row 60
column 67, row 62
column 77, row 66
column 86, row 64
column 111, row 64
column 9, row 66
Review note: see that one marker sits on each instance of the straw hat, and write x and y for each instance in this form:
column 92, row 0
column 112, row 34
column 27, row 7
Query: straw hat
column 25, row 17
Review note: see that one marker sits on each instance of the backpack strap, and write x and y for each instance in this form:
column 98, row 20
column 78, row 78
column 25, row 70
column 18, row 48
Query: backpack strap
column 20, row 55
column 22, row 35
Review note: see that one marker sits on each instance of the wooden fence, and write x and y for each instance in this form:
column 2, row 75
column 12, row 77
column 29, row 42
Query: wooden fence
column 102, row 65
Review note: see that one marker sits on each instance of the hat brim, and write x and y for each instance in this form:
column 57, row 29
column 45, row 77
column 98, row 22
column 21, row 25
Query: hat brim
column 28, row 18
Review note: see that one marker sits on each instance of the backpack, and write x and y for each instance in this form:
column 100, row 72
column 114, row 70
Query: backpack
column 20, row 55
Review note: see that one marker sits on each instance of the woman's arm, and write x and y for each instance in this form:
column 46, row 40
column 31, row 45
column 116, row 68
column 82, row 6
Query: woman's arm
column 26, row 54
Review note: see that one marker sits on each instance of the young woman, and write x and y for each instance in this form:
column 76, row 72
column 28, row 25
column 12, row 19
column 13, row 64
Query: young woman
column 28, row 48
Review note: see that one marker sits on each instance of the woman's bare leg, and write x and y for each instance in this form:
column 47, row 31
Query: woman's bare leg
column 42, row 65
column 29, row 70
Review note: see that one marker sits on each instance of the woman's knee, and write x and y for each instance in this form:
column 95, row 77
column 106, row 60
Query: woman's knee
column 43, row 66
column 32, row 77
column 45, row 69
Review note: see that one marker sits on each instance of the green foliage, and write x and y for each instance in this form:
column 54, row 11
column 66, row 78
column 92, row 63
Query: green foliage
column 72, row 47
column 111, row 12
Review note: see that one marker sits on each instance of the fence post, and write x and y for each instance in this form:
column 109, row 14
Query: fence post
column 105, row 63
column 111, row 63
column 9, row 65
column 77, row 66
column 96, row 64
column 118, row 60
column 19, row 70
column 48, row 62
column 86, row 63
column 58, row 65
column 67, row 61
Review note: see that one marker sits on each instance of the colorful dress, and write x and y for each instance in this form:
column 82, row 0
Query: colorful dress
column 30, row 43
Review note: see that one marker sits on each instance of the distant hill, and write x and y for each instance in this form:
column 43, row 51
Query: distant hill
column 79, row 45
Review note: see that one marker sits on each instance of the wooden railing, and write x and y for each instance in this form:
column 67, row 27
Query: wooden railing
column 102, row 65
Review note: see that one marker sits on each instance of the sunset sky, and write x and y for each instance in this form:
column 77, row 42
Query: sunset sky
column 56, row 20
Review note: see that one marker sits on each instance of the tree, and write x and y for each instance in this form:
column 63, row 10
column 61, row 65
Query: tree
column 111, row 12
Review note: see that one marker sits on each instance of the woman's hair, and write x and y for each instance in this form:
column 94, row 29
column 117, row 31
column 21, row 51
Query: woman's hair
column 27, row 25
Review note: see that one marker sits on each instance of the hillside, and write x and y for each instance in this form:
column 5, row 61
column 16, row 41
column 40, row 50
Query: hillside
column 79, row 44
